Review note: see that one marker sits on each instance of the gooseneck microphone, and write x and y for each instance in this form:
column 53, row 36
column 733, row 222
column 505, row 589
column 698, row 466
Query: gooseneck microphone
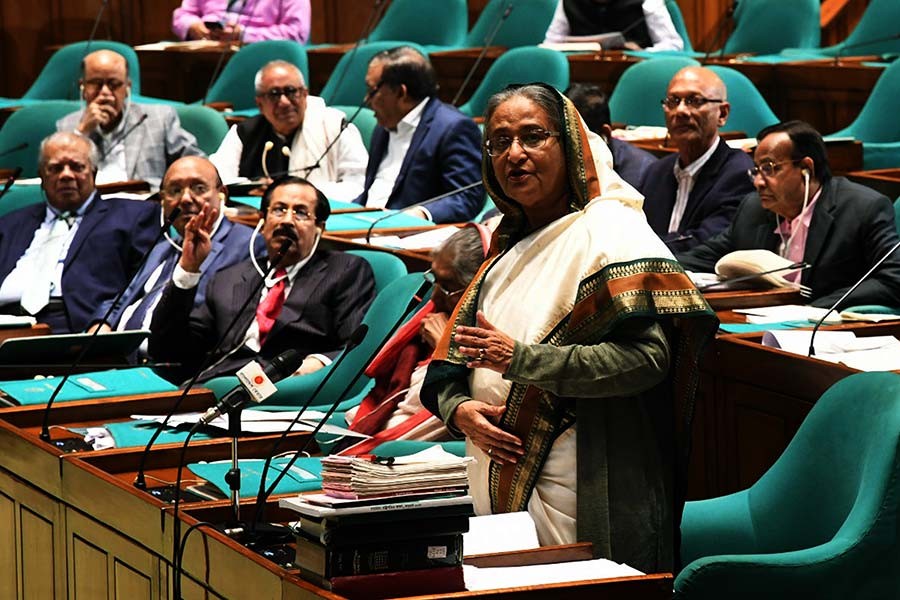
column 225, row 47
column 720, row 32
column 45, row 421
column 452, row 192
column 798, row 266
column 90, row 40
column 10, row 180
column 812, row 347
column 140, row 480
column 487, row 44
column 374, row 16
column 344, row 124
column 123, row 137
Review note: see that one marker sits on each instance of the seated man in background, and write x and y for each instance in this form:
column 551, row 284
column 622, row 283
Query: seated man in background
column 297, row 129
column 421, row 147
column 191, row 184
column 135, row 141
column 312, row 303
column 242, row 20
column 804, row 214
column 645, row 24
column 691, row 195
column 392, row 410
column 61, row 259
column 629, row 162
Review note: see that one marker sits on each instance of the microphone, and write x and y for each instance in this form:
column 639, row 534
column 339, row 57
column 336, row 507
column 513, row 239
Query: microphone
column 123, row 137
column 266, row 149
column 422, row 203
column 16, row 148
column 812, row 348
column 720, row 32
column 344, row 124
column 840, row 52
column 225, row 47
column 487, row 44
column 10, row 180
column 90, row 40
column 45, row 423
column 799, row 266
column 243, row 394
column 140, row 480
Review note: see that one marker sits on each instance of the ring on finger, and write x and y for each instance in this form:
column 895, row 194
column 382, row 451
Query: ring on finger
column 481, row 354
column 490, row 451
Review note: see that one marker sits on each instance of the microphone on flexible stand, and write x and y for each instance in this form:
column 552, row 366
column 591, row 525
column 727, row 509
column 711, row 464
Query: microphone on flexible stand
column 812, row 348
column 487, row 44
column 720, row 32
column 798, row 266
column 45, row 421
column 90, row 40
column 15, row 148
column 123, row 137
column 225, row 47
column 422, row 203
column 374, row 16
column 265, row 153
column 344, row 124
column 840, row 52
column 10, row 180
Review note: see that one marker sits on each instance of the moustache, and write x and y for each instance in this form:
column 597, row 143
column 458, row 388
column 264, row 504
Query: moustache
column 286, row 231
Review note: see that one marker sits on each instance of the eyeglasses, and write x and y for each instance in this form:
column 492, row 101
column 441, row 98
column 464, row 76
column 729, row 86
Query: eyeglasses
column 274, row 95
column 56, row 168
column 300, row 215
column 196, row 190
column 95, row 85
column 430, row 278
column 768, row 168
column 672, row 102
column 370, row 92
column 534, row 139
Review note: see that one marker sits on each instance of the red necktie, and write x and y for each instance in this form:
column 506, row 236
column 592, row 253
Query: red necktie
column 270, row 307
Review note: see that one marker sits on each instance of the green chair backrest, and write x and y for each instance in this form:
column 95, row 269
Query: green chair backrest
column 878, row 24
column 519, row 65
column 438, row 22
column 770, row 26
column 407, row 447
column 385, row 266
column 526, row 25
column 364, row 121
column 636, row 98
column 31, row 124
column 20, row 196
column 897, row 214
column 58, row 80
column 749, row 110
column 207, row 125
column 879, row 121
column 235, row 83
column 680, row 26
column 347, row 83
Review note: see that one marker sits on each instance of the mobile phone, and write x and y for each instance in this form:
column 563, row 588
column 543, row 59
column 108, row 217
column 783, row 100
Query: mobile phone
column 213, row 25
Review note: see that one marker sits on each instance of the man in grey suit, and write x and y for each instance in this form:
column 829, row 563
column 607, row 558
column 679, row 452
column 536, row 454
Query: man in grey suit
column 136, row 141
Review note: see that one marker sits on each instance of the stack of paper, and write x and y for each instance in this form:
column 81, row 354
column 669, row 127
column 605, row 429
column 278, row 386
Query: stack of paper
column 872, row 353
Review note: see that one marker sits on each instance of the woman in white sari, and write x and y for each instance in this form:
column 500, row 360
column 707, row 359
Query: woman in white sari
column 557, row 368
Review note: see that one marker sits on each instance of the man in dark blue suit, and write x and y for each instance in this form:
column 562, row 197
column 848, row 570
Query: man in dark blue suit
column 421, row 147
column 61, row 259
column 191, row 184
column 692, row 195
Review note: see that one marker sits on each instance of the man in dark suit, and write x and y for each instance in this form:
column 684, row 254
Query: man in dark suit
column 421, row 147
column 59, row 260
column 312, row 303
column 804, row 214
column 692, row 195
column 191, row 184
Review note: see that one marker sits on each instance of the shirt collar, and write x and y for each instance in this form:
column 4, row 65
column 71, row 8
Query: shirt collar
column 786, row 226
column 410, row 121
column 51, row 214
column 294, row 269
column 692, row 169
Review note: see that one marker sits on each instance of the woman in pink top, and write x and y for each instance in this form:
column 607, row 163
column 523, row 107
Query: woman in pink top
column 242, row 20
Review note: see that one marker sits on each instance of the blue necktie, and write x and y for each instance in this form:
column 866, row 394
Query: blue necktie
column 136, row 321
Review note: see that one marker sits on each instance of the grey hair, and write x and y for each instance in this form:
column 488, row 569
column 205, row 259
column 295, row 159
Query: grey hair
column 538, row 94
column 465, row 252
column 257, row 81
column 68, row 137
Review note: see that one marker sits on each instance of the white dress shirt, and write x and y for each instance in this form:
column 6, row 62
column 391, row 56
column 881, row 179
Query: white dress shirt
column 659, row 26
column 389, row 169
column 686, row 178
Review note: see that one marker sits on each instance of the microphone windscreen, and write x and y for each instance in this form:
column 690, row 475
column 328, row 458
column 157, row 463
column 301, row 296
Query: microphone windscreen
column 284, row 365
column 269, row 145
column 174, row 214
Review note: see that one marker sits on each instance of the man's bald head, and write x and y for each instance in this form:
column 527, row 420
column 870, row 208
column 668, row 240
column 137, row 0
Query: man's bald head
column 696, row 107
column 191, row 183
column 104, row 59
column 104, row 86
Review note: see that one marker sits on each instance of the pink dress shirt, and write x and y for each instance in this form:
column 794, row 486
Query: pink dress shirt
column 261, row 19
column 794, row 234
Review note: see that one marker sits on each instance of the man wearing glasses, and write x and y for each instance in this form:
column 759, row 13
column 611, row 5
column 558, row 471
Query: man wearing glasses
column 136, row 141
column 312, row 300
column 62, row 258
column 691, row 195
column 841, row 229
column 295, row 134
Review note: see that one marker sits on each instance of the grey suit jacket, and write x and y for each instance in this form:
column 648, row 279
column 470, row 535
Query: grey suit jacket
column 153, row 139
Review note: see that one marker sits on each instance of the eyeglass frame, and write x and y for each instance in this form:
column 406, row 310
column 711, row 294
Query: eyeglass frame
column 428, row 276
column 112, row 84
column 274, row 210
column 371, row 91
column 168, row 192
column 756, row 169
column 273, row 95
column 690, row 102
column 546, row 133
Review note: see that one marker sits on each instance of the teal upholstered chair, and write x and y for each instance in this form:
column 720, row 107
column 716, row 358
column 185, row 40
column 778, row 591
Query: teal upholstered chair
column 407, row 447
column 347, row 83
column 822, row 522
column 876, row 33
column 364, row 121
column 20, row 196
column 519, row 65
column 58, row 80
column 636, row 98
column 680, row 26
column 526, row 25
column 440, row 23
column 235, row 83
column 207, row 125
column 385, row 266
column 770, row 26
column 31, row 124
column 749, row 110
column 878, row 124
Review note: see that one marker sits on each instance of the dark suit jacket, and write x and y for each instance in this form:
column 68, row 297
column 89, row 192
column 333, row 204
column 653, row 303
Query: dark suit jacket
column 445, row 154
column 718, row 189
column 108, row 246
column 852, row 227
column 630, row 162
column 327, row 302
column 229, row 246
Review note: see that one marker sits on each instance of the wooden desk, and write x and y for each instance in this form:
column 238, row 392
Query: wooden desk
column 8, row 333
column 886, row 181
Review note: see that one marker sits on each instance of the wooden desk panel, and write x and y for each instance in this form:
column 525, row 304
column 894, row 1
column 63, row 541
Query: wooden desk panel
column 886, row 181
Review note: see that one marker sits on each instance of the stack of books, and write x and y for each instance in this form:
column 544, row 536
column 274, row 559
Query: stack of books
column 380, row 530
